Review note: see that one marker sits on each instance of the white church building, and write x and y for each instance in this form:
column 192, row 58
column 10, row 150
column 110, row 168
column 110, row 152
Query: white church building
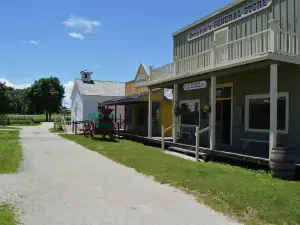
column 88, row 93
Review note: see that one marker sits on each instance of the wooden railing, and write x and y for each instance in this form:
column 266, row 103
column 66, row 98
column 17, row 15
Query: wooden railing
column 272, row 40
column 198, row 132
column 163, row 130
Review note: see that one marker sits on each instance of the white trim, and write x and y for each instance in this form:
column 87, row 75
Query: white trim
column 280, row 94
column 219, row 31
column 230, row 84
column 188, row 101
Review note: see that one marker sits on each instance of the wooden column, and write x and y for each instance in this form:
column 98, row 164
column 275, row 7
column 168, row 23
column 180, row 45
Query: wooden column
column 174, row 118
column 273, row 106
column 212, row 124
column 116, row 114
column 150, row 114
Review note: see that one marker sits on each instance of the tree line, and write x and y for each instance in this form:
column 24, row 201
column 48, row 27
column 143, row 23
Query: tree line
column 43, row 96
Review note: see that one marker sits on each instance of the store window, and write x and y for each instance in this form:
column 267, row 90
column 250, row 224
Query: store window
column 258, row 113
column 190, row 112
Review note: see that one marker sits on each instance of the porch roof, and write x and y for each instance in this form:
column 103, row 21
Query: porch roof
column 132, row 98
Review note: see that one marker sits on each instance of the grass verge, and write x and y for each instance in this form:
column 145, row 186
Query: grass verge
column 254, row 197
column 7, row 216
column 56, row 131
column 8, row 127
column 26, row 124
column 10, row 151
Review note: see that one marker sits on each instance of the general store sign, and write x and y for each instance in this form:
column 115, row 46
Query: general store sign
column 195, row 85
column 141, row 81
column 229, row 18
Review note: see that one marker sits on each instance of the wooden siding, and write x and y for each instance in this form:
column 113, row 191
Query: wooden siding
column 286, row 11
column 130, row 87
column 250, row 83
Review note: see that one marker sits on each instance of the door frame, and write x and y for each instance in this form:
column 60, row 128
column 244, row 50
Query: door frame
column 231, row 98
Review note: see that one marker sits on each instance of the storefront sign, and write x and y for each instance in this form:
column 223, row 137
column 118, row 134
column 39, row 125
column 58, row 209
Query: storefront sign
column 195, row 85
column 238, row 14
column 141, row 81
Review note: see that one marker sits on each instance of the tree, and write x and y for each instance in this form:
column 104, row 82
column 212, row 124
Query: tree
column 46, row 94
column 4, row 99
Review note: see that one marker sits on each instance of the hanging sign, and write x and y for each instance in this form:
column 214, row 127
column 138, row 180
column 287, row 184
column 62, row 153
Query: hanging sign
column 195, row 85
column 229, row 18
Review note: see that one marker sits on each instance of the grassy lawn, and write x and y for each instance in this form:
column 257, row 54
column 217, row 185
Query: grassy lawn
column 10, row 159
column 7, row 216
column 254, row 197
column 9, row 127
column 10, row 151
column 56, row 131
column 27, row 124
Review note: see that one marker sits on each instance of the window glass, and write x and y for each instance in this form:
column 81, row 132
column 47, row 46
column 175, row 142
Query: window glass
column 259, row 113
column 190, row 113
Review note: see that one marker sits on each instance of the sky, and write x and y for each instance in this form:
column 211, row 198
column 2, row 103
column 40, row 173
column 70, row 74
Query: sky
column 43, row 38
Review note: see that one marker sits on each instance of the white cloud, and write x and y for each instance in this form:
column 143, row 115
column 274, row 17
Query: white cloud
column 31, row 42
column 11, row 84
column 68, row 91
column 96, row 65
column 76, row 35
column 81, row 23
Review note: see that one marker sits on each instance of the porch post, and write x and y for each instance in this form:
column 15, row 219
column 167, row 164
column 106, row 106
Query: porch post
column 212, row 123
column 150, row 114
column 116, row 114
column 174, row 118
column 273, row 106
column 274, row 35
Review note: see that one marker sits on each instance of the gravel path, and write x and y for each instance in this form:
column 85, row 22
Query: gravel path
column 61, row 182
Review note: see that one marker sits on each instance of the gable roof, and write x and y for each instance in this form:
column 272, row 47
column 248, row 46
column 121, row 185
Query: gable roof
column 101, row 88
column 209, row 16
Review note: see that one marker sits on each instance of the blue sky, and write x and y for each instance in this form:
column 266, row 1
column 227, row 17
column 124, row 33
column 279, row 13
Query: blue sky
column 41, row 38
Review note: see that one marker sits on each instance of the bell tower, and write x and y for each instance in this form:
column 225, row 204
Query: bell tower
column 86, row 75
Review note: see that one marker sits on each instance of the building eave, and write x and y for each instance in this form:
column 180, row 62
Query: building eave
column 209, row 16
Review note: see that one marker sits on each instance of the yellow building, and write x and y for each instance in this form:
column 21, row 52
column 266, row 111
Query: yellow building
column 136, row 106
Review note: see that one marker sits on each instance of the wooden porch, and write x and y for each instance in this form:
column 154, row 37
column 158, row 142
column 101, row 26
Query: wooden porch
column 219, row 151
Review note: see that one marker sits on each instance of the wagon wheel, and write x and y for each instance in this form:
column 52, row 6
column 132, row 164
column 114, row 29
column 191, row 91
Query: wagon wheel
column 92, row 130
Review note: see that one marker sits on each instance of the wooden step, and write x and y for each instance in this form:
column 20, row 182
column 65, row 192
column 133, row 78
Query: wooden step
column 172, row 148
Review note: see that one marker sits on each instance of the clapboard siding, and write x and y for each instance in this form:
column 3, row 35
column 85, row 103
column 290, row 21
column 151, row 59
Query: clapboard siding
column 255, row 82
column 286, row 11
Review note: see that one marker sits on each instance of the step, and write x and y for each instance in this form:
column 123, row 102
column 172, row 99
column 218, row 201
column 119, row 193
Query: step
column 186, row 151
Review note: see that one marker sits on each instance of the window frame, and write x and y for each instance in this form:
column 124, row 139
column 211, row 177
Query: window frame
column 259, row 96
column 188, row 101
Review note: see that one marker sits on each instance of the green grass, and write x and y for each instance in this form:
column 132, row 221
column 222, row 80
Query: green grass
column 254, row 197
column 56, row 131
column 10, row 151
column 9, row 127
column 7, row 216
column 26, row 124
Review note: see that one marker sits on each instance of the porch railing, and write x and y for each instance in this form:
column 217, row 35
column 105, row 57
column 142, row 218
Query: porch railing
column 163, row 130
column 198, row 132
column 273, row 40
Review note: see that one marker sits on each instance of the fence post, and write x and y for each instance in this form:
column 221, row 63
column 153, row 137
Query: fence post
column 76, row 128
column 197, row 143
column 162, row 138
column 118, row 129
column 73, row 126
